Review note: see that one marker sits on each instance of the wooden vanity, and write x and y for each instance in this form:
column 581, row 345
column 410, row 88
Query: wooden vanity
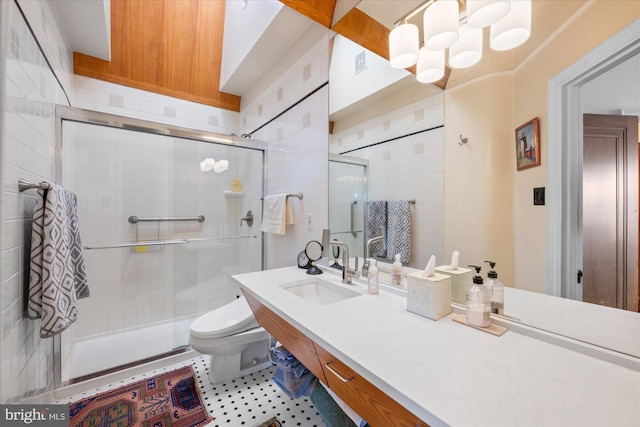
column 395, row 368
column 363, row 397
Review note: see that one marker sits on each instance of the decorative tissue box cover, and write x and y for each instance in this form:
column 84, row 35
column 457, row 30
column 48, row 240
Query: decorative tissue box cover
column 461, row 280
column 429, row 296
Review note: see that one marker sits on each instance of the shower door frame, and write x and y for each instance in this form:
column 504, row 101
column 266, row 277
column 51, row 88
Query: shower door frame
column 79, row 115
column 356, row 161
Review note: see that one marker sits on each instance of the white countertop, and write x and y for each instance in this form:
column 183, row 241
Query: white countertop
column 450, row 374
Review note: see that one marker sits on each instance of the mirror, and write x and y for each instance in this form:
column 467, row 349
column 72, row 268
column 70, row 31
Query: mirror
column 481, row 205
column 313, row 250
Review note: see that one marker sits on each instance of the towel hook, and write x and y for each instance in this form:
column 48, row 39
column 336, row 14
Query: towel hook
column 463, row 140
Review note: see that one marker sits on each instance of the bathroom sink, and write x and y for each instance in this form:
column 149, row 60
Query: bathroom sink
column 318, row 291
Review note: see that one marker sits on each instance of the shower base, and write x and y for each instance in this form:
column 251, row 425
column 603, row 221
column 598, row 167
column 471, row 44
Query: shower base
column 103, row 354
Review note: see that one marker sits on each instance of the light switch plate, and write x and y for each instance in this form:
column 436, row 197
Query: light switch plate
column 538, row 196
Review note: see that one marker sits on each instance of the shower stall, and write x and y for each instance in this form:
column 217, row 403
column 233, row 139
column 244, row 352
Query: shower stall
column 163, row 230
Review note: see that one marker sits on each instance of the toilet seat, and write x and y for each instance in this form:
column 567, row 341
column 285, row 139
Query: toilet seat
column 230, row 318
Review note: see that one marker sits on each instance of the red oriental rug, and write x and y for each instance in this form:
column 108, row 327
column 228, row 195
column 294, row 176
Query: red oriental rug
column 171, row 399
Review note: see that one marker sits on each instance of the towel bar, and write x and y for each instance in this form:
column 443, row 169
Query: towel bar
column 26, row 185
column 134, row 219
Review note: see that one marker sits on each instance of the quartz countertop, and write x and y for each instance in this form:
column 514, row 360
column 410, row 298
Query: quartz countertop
column 450, row 374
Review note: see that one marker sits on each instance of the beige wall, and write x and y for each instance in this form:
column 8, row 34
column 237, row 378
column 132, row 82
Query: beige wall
column 478, row 184
column 497, row 218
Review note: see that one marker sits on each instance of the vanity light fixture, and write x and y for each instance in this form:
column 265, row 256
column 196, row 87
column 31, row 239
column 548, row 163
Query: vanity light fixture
column 445, row 28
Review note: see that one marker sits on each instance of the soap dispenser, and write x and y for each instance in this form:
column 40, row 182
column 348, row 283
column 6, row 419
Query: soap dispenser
column 478, row 302
column 372, row 278
column 496, row 290
column 396, row 271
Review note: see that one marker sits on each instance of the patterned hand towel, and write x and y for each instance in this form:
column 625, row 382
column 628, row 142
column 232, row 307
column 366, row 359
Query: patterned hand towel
column 57, row 272
column 376, row 218
column 399, row 230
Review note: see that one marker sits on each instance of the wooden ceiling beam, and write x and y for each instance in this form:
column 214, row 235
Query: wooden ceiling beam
column 320, row 11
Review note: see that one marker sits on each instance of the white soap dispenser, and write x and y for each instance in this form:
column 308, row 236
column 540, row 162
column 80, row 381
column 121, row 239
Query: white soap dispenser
column 478, row 302
column 396, row 271
column 496, row 290
column 372, row 278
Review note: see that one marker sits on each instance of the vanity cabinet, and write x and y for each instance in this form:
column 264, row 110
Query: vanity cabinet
column 377, row 408
column 368, row 401
column 298, row 344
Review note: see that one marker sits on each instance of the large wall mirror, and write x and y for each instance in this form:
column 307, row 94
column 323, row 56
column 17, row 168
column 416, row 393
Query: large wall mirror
column 451, row 146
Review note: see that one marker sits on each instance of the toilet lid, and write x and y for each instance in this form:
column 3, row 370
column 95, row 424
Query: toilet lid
column 233, row 317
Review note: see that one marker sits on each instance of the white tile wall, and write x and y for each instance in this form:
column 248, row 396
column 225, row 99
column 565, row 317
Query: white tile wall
column 297, row 151
column 410, row 167
column 28, row 150
column 120, row 100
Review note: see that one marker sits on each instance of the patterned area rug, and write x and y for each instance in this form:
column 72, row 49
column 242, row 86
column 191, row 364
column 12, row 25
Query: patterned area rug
column 171, row 399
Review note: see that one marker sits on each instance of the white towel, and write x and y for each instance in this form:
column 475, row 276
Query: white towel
column 57, row 273
column 277, row 214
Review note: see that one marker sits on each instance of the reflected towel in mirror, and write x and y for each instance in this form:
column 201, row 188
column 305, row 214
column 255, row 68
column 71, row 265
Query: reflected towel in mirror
column 399, row 230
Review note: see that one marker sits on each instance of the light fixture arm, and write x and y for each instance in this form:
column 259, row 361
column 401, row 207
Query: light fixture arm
column 413, row 12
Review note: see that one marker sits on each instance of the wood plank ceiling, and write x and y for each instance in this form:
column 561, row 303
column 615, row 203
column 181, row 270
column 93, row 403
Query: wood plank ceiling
column 175, row 47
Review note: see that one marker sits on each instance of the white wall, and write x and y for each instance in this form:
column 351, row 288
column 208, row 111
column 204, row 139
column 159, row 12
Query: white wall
column 615, row 92
column 27, row 140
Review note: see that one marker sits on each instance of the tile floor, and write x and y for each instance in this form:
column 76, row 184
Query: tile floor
column 246, row 401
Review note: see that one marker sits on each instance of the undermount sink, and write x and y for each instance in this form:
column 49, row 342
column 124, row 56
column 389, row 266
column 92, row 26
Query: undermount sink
column 318, row 291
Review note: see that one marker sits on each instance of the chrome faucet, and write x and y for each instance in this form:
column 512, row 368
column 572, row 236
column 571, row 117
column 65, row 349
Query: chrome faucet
column 365, row 264
column 347, row 273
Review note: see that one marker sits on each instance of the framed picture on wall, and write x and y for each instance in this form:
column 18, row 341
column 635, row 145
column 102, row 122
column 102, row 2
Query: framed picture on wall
column 528, row 145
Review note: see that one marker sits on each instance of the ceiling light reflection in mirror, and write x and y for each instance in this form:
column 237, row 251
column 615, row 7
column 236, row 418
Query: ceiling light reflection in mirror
column 509, row 23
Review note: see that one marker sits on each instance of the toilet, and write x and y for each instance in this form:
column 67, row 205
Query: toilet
column 233, row 338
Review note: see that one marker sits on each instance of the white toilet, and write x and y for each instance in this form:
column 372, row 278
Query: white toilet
column 233, row 338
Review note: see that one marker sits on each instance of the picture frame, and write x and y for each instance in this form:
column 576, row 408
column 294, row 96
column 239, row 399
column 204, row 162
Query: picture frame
column 528, row 145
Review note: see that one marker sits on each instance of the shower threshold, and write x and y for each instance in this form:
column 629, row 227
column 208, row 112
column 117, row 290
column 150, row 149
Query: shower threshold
column 118, row 368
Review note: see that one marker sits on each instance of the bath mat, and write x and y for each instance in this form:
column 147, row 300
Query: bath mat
column 272, row 422
column 170, row 399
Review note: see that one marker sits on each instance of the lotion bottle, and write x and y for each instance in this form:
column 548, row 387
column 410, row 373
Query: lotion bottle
column 372, row 278
column 396, row 271
column 478, row 302
column 496, row 289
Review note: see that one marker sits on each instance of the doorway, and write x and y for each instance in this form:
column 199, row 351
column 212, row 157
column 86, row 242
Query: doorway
column 609, row 179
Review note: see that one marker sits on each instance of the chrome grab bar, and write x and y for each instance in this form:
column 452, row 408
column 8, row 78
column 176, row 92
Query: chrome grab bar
column 134, row 219
column 165, row 242
column 343, row 379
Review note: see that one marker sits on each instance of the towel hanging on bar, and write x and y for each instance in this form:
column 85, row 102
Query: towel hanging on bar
column 278, row 213
column 57, row 271
column 399, row 230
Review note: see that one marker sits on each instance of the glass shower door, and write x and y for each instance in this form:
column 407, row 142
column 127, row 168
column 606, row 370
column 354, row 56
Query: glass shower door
column 149, row 277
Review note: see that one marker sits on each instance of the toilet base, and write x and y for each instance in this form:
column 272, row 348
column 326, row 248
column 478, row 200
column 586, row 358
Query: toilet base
column 252, row 359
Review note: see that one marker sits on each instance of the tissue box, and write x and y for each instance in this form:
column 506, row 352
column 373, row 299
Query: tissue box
column 461, row 280
column 429, row 296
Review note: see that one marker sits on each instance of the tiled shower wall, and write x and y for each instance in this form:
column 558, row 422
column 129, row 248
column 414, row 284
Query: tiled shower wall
column 27, row 141
column 297, row 155
column 410, row 167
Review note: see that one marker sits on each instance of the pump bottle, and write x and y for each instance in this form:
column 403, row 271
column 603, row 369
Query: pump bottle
column 478, row 302
column 496, row 289
column 396, row 271
column 372, row 277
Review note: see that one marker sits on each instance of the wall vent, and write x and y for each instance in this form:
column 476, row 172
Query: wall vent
column 361, row 61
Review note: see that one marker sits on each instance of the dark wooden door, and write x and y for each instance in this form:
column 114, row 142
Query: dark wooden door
column 610, row 211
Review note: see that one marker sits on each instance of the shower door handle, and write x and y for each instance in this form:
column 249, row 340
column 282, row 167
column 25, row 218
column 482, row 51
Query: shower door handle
column 353, row 217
